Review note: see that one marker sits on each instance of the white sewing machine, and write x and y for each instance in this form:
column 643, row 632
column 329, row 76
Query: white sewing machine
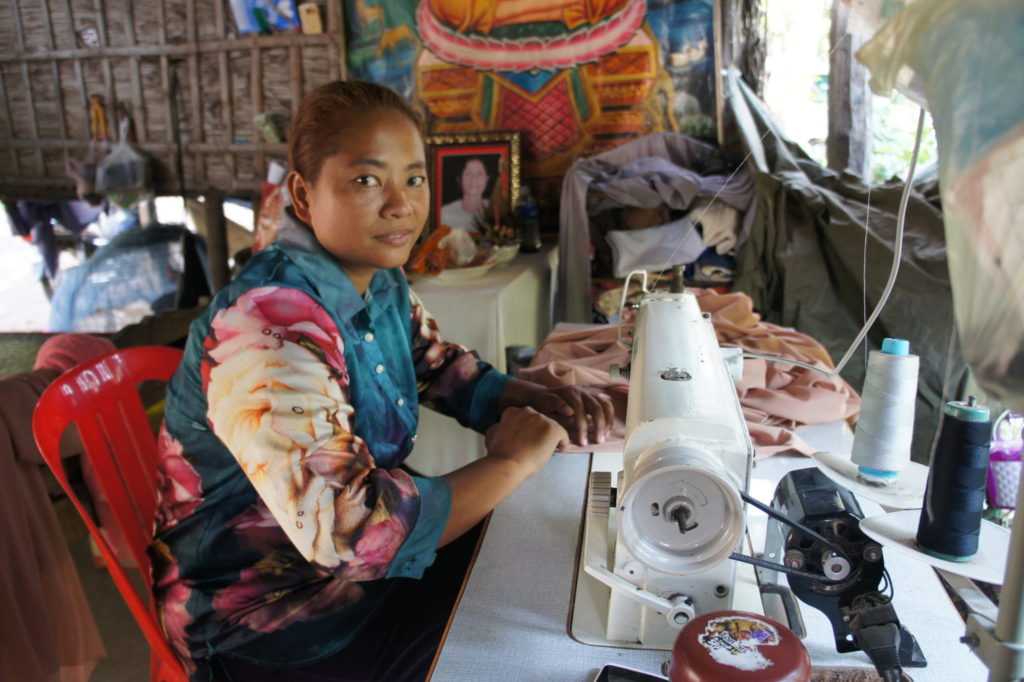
column 663, row 548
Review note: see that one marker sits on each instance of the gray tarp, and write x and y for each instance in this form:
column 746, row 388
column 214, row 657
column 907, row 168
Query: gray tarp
column 803, row 262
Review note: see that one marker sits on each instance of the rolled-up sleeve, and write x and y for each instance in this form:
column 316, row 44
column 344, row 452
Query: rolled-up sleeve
column 450, row 378
column 277, row 395
column 419, row 549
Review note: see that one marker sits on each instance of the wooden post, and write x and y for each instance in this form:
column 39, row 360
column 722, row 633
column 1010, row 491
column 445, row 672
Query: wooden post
column 742, row 37
column 336, row 59
column 849, row 100
column 226, row 107
column 209, row 220
column 196, row 134
column 217, row 240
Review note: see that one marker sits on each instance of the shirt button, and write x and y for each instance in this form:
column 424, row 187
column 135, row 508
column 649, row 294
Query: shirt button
column 400, row 401
column 379, row 369
column 368, row 337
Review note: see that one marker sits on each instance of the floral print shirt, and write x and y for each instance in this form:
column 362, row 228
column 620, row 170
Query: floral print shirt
column 282, row 507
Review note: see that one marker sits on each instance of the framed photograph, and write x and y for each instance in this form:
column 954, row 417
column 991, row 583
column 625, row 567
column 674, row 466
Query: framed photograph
column 465, row 168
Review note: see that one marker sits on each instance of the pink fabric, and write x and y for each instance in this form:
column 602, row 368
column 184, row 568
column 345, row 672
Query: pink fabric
column 776, row 398
column 64, row 351
column 47, row 631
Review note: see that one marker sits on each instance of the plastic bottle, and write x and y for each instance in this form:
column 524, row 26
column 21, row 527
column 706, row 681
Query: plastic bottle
column 528, row 213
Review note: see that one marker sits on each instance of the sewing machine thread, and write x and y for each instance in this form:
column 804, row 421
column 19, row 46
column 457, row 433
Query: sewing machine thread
column 881, row 444
column 955, row 497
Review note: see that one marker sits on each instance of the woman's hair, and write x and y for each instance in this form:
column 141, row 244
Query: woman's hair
column 328, row 110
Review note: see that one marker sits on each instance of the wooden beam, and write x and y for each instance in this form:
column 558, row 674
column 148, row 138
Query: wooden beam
column 19, row 30
column 16, row 163
column 165, row 69
column 196, row 110
column 202, row 147
column 79, row 75
column 110, row 86
column 170, row 49
column 26, row 77
column 44, row 188
column 256, row 93
column 226, row 108
column 55, row 72
column 849, row 100
column 295, row 61
column 211, row 222
column 135, row 70
column 743, row 39
column 337, row 51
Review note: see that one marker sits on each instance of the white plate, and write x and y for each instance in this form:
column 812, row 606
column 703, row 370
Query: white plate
column 463, row 274
column 898, row 531
column 904, row 492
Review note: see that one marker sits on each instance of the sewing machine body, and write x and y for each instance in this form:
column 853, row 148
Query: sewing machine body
column 687, row 456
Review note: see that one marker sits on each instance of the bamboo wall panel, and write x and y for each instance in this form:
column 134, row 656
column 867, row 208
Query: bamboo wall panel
column 189, row 83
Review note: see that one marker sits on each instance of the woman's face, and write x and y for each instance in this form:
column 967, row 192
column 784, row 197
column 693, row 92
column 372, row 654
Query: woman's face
column 474, row 178
column 370, row 201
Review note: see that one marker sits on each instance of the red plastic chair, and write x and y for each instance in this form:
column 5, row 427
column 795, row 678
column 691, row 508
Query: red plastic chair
column 101, row 398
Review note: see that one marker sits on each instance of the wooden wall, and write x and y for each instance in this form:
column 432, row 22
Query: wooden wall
column 190, row 84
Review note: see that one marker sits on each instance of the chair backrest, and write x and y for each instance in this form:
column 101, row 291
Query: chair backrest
column 101, row 398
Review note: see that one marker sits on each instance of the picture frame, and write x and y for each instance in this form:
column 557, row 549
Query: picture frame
column 479, row 158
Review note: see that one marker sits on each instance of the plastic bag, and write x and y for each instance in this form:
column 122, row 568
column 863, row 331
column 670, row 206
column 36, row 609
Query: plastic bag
column 1004, row 463
column 83, row 172
column 124, row 169
column 966, row 60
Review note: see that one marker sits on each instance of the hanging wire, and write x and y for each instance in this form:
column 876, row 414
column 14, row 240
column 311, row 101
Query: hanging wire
column 897, row 256
column 897, row 253
column 864, row 270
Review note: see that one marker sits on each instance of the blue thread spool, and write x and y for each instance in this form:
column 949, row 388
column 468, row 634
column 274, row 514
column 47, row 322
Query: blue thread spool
column 955, row 497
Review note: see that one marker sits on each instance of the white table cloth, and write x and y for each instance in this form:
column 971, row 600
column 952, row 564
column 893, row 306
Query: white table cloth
column 512, row 622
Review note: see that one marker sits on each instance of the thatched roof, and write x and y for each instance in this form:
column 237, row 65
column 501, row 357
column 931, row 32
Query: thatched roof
column 189, row 83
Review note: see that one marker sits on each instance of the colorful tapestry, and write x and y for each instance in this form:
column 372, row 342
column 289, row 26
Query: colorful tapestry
column 575, row 77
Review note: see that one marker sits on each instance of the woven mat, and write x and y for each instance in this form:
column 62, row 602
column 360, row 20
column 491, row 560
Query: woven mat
column 845, row 674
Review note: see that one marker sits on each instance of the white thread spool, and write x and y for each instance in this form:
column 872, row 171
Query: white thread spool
column 881, row 442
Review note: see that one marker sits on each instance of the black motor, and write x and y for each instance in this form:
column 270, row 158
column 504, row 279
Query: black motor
column 848, row 591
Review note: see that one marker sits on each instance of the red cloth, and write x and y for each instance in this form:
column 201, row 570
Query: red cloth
column 64, row 351
column 776, row 397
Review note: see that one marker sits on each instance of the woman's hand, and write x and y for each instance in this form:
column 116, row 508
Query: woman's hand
column 518, row 447
column 525, row 437
column 587, row 414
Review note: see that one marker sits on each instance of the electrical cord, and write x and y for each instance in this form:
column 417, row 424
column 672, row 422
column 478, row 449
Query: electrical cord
column 876, row 630
column 888, row 587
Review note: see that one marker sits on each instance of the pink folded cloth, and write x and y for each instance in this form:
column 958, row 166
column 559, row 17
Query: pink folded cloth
column 776, row 397
column 64, row 351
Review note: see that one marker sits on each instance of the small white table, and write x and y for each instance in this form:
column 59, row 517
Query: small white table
column 512, row 622
column 509, row 306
